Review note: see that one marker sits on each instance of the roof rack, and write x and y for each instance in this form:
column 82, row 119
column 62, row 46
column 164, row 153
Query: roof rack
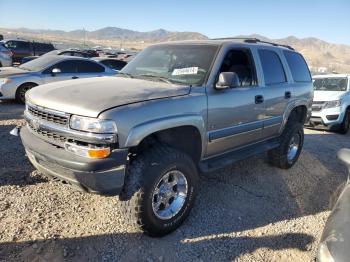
column 254, row 40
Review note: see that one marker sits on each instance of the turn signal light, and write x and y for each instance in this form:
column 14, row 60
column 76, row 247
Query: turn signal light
column 98, row 153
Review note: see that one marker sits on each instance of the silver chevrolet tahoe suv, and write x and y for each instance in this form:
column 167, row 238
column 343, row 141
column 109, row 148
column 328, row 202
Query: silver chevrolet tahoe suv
column 177, row 110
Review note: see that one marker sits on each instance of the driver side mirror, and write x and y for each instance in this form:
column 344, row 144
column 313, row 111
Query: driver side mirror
column 227, row 80
column 55, row 71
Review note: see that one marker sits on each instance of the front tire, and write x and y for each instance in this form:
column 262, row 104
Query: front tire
column 160, row 190
column 344, row 126
column 21, row 92
column 291, row 144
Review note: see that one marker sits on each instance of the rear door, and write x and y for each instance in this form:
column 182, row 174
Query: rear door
column 276, row 92
column 235, row 115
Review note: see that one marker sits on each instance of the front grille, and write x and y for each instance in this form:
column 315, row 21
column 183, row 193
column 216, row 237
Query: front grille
column 49, row 136
column 48, row 116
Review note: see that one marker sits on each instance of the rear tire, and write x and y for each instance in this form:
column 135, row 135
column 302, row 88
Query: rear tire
column 291, row 144
column 21, row 91
column 152, row 200
column 344, row 126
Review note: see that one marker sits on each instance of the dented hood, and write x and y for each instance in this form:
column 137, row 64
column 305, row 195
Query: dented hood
column 91, row 96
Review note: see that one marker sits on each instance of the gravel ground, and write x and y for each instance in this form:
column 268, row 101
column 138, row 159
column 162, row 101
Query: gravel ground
column 247, row 212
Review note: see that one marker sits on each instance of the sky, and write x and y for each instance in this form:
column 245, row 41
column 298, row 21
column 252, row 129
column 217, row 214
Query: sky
column 325, row 19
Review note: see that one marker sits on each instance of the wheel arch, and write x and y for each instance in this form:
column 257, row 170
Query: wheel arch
column 186, row 134
column 297, row 112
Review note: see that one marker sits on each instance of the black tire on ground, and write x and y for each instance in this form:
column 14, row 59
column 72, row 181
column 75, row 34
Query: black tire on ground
column 279, row 156
column 142, row 179
column 344, row 126
column 21, row 90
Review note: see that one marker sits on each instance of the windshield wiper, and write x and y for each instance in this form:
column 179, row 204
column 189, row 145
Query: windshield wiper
column 161, row 78
column 125, row 74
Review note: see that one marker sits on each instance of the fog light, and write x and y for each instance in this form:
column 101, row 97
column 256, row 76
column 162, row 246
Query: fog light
column 332, row 117
column 84, row 151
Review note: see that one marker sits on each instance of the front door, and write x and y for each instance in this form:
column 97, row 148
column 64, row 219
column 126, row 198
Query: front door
column 235, row 115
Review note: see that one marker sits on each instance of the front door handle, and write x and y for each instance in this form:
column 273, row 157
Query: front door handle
column 287, row 95
column 259, row 99
column 75, row 77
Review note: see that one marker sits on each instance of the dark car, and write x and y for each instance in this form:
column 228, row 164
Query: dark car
column 111, row 62
column 24, row 48
column 335, row 240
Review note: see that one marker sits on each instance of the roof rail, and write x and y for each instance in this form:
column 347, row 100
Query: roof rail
column 254, row 40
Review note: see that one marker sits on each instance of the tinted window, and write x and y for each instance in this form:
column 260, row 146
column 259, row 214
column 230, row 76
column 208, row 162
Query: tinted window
column 17, row 45
column 298, row 67
column 272, row 67
column 23, row 45
column 114, row 64
column 89, row 67
column 68, row 66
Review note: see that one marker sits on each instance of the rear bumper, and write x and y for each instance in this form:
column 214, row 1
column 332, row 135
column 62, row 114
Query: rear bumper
column 103, row 176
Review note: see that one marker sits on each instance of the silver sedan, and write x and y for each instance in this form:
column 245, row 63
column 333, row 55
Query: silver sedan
column 16, row 81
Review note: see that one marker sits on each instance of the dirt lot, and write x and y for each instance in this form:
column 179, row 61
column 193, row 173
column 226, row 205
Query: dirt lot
column 247, row 212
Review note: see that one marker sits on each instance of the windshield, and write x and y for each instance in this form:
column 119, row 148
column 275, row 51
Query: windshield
column 39, row 63
column 181, row 64
column 331, row 84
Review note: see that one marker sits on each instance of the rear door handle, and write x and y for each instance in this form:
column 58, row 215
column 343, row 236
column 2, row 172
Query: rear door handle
column 75, row 77
column 287, row 95
column 259, row 99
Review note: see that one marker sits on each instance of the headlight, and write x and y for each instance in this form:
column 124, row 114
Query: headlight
column 93, row 125
column 4, row 81
column 323, row 254
column 330, row 104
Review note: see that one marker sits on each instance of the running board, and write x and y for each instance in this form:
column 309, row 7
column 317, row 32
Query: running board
column 215, row 163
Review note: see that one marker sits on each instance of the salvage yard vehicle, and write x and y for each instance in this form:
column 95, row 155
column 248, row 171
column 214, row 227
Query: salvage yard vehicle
column 335, row 240
column 331, row 106
column 22, row 48
column 175, row 110
column 16, row 81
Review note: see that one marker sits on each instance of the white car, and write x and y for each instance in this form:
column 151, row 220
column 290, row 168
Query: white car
column 16, row 81
column 331, row 105
column 5, row 56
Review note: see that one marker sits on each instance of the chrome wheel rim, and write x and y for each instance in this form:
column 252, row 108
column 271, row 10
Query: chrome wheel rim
column 169, row 195
column 293, row 147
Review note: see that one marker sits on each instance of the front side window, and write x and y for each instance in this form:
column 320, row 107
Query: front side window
column 272, row 67
column 67, row 67
column 298, row 66
column 331, row 84
column 183, row 64
column 240, row 62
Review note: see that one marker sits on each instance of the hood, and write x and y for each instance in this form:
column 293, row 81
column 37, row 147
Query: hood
column 327, row 95
column 91, row 96
column 11, row 71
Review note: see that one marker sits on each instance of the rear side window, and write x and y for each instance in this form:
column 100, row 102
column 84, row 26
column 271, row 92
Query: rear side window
column 298, row 66
column 89, row 67
column 272, row 67
column 116, row 65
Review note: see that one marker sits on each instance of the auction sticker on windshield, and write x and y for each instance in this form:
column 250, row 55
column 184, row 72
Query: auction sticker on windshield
column 185, row 71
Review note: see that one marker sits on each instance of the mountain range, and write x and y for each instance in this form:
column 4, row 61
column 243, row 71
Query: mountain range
column 321, row 56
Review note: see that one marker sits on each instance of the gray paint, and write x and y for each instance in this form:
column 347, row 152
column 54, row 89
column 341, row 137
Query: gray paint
column 229, row 117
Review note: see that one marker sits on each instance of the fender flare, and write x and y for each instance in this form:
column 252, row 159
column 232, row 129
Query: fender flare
column 140, row 131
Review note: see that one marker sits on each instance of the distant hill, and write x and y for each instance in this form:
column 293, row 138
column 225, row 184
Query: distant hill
column 320, row 55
